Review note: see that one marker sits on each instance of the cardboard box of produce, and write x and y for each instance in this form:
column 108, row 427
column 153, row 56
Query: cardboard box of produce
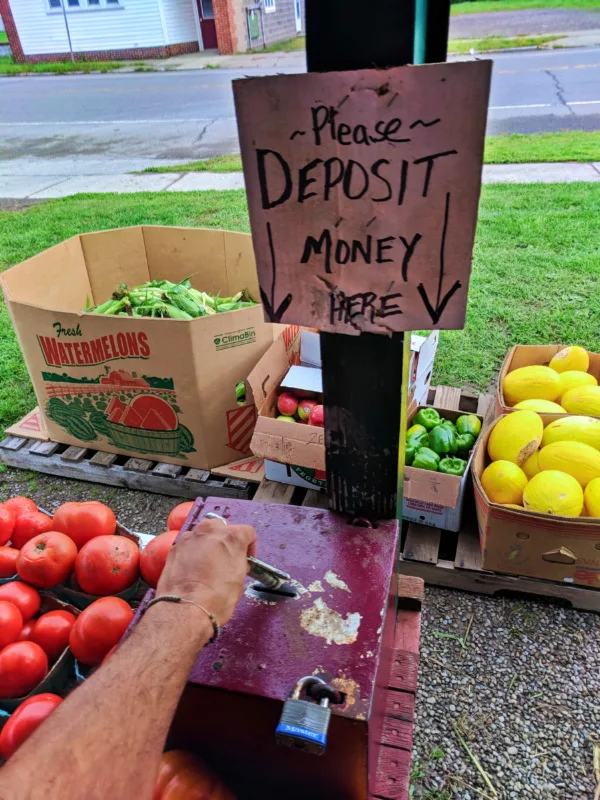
column 535, row 545
column 434, row 498
column 300, row 445
column 140, row 386
column 529, row 355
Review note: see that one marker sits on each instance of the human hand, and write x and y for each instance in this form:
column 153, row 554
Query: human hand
column 208, row 565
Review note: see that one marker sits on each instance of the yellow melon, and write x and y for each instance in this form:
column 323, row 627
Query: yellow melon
column 570, row 358
column 554, row 492
column 573, row 429
column 591, row 498
column 531, row 467
column 503, row 482
column 574, row 378
column 530, row 383
column 541, row 406
column 515, row 437
column 582, row 400
column 576, row 459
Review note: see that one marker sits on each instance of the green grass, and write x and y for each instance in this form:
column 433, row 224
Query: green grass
column 3, row 37
column 527, row 148
column 8, row 67
column 488, row 43
column 479, row 6
column 535, row 277
column 231, row 163
column 289, row 46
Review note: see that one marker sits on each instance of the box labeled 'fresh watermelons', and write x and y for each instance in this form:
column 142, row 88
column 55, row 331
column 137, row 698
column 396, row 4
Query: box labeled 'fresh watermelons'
column 141, row 386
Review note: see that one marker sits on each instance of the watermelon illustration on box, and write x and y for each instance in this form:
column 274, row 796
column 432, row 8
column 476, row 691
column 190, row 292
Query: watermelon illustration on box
column 122, row 409
column 158, row 388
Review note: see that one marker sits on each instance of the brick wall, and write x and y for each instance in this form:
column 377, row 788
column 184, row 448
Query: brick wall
column 280, row 24
column 132, row 54
column 11, row 31
column 227, row 39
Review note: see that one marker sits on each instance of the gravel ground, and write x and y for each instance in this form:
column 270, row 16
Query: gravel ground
column 525, row 692
column 139, row 511
column 534, row 21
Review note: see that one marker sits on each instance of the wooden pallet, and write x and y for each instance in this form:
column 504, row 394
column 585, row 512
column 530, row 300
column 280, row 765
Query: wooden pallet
column 87, row 464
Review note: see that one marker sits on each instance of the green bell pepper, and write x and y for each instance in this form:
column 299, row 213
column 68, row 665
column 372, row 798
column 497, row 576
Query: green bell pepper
column 464, row 444
column 428, row 417
column 447, row 423
column 415, row 430
column 443, row 440
column 452, row 466
column 418, row 440
column 409, row 454
column 426, row 459
column 469, row 423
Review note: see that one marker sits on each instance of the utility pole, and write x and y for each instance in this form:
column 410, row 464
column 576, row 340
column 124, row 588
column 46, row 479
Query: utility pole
column 64, row 10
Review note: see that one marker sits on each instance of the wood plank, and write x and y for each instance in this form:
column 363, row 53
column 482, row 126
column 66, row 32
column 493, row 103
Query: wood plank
column 393, row 774
column 139, row 465
column 400, row 705
column 405, row 671
column 408, row 632
column 410, row 593
column 491, row 583
column 44, row 449
column 235, row 483
column 167, row 470
column 101, row 459
column 397, row 733
column 315, row 499
column 468, row 549
column 274, row 492
column 13, row 442
column 198, row 475
column 447, row 397
column 422, row 543
column 74, row 454
column 116, row 475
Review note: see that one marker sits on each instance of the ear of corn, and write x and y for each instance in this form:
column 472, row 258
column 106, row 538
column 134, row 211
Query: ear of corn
column 161, row 298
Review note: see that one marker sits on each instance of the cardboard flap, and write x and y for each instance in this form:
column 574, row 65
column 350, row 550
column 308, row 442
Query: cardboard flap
column 431, row 487
column 114, row 257
column 561, row 555
column 289, row 443
column 179, row 253
column 241, row 264
column 54, row 279
column 269, row 371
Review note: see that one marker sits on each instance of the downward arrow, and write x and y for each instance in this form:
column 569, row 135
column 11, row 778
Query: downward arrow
column 435, row 312
column 274, row 314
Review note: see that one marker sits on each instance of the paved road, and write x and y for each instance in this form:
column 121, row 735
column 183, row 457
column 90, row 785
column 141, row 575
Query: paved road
column 534, row 21
column 107, row 124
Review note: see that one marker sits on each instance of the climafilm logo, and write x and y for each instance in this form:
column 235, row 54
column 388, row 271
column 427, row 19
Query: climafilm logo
column 234, row 339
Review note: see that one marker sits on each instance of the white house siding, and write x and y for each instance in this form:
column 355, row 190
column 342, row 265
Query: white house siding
column 136, row 24
column 180, row 22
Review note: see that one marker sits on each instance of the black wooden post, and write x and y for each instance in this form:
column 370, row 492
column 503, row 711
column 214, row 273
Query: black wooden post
column 362, row 375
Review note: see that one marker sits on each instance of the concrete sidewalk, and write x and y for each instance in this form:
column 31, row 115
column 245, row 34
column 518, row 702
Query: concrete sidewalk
column 47, row 186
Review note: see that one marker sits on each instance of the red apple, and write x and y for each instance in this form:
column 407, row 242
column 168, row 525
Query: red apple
column 287, row 404
column 317, row 416
column 304, row 409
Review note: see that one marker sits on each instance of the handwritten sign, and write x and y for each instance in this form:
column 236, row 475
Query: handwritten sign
column 363, row 190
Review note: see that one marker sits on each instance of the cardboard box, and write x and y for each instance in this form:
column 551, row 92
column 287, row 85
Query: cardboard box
column 535, row 545
column 529, row 355
column 434, row 498
column 173, row 380
column 294, row 361
column 295, row 475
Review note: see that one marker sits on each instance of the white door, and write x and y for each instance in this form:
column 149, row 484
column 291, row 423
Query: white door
column 298, row 10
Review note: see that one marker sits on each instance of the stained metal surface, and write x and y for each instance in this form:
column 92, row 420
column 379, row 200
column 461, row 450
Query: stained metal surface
column 333, row 627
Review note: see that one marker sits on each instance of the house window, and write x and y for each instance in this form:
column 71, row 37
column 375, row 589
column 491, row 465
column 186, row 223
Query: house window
column 81, row 5
column 93, row 3
column 73, row 3
column 54, row 3
column 269, row 6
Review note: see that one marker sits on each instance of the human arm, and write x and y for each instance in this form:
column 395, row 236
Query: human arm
column 106, row 738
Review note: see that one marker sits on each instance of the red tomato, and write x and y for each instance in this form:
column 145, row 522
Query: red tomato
column 23, row 722
column 107, row 565
column 11, row 622
column 183, row 776
column 20, row 505
column 98, row 628
column 25, row 597
column 109, row 654
column 7, row 524
column 178, row 516
column 28, row 525
column 26, row 630
column 154, row 555
column 8, row 562
column 52, row 631
column 22, row 666
column 47, row 560
column 84, row 521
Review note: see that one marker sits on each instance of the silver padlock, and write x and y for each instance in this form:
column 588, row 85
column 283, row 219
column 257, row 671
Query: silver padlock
column 304, row 723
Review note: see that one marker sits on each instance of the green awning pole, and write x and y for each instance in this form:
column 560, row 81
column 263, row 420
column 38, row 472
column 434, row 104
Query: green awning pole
column 420, row 41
